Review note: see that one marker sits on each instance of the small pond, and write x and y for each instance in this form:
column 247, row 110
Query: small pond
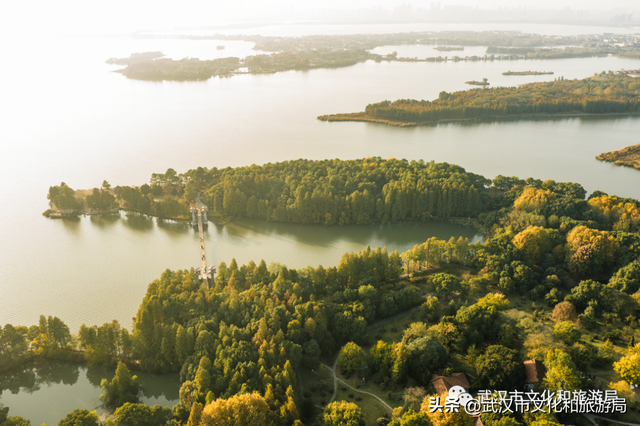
column 45, row 392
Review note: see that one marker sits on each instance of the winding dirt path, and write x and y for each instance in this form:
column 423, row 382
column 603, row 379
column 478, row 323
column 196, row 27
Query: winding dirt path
column 335, row 387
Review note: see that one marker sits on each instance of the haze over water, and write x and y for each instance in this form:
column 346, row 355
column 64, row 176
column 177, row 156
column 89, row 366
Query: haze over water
column 67, row 117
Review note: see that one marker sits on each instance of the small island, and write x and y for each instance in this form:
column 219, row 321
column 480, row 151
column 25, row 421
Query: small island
column 484, row 82
column 153, row 66
column 135, row 57
column 628, row 156
column 449, row 48
column 560, row 98
column 527, row 73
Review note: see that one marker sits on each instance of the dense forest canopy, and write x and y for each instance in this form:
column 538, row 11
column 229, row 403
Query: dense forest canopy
column 242, row 342
column 325, row 192
column 602, row 93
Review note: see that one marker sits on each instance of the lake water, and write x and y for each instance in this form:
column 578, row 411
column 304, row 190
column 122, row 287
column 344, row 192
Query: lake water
column 67, row 117
column 47, row 392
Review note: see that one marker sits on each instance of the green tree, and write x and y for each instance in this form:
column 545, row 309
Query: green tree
column 427, row 356
column 499, row 368
column 63, row 197
column 80, row 417
column 431, row 309
column 561, row 372
column 203, row 377
column 381, row 355
column 627, row 278
column 123, row 388
column 13, row 342
column 195, row 415
column 343, row 413
column 16, row 421
column 415, row 331
column 411, row 418
column 590, row 291
column 131, row 414
column 58, row 332
column 445, row 284
column 350, row 358
column 566, row 332
column 401, row 360
column 311, row 353
column 349, row 327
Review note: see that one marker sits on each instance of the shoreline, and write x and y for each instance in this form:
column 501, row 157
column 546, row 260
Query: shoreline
column 471, row 222
column 361, row 116
column 51, row 214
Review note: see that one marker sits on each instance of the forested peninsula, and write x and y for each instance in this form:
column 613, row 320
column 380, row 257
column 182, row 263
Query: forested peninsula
column 556, row 283
column 628, row 156
column 604, row 94
column 328, row 192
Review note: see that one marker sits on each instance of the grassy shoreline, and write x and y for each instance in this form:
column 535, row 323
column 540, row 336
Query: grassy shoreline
column 361, row 116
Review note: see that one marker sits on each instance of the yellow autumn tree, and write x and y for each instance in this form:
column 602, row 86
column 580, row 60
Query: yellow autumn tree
column 343, row 413
column 588, row 249
column 624, row 391
column 561, row 371
column 533, row 199
column 239, row 410
column 535, row 242
column 623, row 216
column 437, row 418
column 493, row 302
column 628, row 368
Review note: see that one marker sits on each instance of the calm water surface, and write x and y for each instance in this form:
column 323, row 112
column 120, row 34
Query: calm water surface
column 47, row 392
column 67, row 117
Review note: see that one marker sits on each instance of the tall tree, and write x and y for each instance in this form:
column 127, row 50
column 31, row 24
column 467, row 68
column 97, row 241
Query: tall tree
column 123, row 388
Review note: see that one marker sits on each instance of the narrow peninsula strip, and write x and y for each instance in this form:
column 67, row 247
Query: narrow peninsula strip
column 628, row 156
column 603, row 95
column 528, row 73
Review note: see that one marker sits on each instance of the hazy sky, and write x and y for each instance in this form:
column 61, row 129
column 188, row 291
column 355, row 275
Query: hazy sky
column 120, row 16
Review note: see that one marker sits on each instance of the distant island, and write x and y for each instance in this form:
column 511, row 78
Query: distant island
column 527, row 72
column 332, row 51
column 484, row 82
column 604, row 94
column 448, row 48
column 152, row 66
column 628, row 156
column 618, row 44
column 135, row 57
